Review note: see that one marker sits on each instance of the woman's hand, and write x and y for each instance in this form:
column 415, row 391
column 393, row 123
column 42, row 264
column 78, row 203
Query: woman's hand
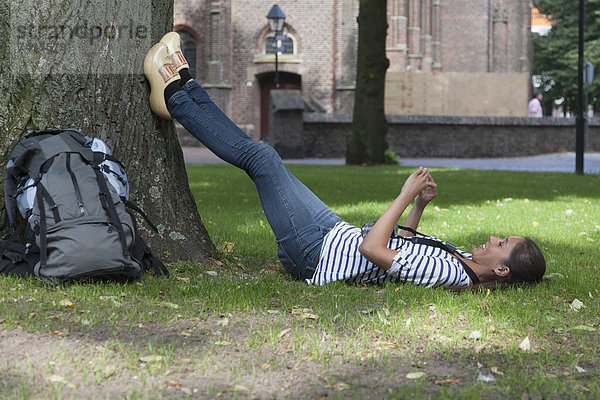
column 417, row 182
column 427, row 194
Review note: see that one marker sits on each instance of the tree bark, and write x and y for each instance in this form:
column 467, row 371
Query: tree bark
column 79, row 64
column 368, row 143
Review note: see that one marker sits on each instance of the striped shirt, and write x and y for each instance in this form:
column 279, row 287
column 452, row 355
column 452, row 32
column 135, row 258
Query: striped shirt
column 415, row 263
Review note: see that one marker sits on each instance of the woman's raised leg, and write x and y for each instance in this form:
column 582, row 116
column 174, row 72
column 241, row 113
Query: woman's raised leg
column 298, row 218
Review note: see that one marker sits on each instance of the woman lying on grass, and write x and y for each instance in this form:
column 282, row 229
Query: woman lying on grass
column 314, row 244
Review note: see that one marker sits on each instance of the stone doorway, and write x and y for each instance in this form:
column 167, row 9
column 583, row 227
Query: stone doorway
column 266, row 81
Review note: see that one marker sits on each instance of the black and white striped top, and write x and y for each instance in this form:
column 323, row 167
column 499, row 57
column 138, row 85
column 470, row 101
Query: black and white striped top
column 416, row 263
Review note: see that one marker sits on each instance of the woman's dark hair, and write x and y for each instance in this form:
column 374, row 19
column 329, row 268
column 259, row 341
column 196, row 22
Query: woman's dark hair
column 526, row 263
column 527, row 266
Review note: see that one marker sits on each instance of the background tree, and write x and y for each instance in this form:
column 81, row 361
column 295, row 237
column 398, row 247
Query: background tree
column 80, row 64
column 367, row 143
column 556, row 54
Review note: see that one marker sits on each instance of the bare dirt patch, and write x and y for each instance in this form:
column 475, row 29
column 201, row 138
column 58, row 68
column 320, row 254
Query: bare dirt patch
column 216, row 358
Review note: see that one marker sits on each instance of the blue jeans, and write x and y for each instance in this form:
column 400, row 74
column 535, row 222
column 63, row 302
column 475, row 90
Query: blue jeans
column 298, row 218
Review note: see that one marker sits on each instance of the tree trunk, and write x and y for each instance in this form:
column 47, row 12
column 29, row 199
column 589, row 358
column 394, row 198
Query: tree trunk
column 367, row 143
column 79, row 64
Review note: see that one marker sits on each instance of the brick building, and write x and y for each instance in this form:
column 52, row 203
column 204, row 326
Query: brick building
column 447, row 57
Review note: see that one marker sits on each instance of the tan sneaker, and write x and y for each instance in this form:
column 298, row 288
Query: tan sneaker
column 160, row 73
column 173, row 42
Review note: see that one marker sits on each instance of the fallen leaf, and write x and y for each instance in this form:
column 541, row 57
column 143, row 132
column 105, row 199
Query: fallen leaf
column 309, row 316
column 173, row 383
column 576, row 305
column 212, row 273
column 415, row 375
column 495, row 371
column 66, row 303
column 56, row 332
column 240, row 388
column 579, row 369
column 581, row 388
column 109, row 371
column 227, row 247
column 447, row 381
column 170, row 305
column 304, row 313
column 149, row 359
column 583, row 328
column 223, row 322
column 54, row 379
column 283, row 333
column 339, row 386
column 525, row 345
column 480, row 347
column 181, row 278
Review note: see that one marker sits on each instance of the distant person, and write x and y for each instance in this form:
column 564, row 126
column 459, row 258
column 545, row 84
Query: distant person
column 534, row 109
column 314, row 244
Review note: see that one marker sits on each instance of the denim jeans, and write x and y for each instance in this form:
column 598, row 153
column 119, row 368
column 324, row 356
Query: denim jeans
column 298, row 218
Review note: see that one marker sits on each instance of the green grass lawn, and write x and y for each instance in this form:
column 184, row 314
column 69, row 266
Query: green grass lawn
column 237, row 327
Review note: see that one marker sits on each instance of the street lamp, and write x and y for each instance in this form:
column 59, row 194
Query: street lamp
column 276, row 18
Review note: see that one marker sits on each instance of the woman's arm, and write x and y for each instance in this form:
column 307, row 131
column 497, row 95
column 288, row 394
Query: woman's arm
column 421, row 201
column 374, row 246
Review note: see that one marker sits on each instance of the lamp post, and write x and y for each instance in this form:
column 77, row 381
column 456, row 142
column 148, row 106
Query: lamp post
column 580, row 121
column 276, row 18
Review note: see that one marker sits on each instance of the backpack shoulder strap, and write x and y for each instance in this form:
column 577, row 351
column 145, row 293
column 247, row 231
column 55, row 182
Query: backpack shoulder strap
column 450, row 248
column 141, row 252
column 137, row 209
column 10, row 201
column 109, row 207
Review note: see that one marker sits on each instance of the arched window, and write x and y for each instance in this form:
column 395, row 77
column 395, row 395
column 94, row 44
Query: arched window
column 188, row 47
column 288, row 45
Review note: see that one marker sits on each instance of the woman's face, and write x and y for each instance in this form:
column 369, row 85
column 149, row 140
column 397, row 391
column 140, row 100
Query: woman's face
column 495, row 250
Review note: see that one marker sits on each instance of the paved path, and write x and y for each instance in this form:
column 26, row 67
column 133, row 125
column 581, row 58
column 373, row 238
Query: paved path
column 560, row 162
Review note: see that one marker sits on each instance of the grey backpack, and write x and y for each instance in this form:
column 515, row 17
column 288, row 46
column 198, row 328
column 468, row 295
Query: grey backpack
column 71, row 194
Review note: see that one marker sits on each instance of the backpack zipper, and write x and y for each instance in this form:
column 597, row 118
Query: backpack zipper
column 76, row 186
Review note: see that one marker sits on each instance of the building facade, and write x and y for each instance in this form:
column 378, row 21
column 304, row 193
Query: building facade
column 447, row 57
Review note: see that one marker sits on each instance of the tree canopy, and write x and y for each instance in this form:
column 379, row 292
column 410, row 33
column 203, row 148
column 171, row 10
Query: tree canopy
column 556, row 54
